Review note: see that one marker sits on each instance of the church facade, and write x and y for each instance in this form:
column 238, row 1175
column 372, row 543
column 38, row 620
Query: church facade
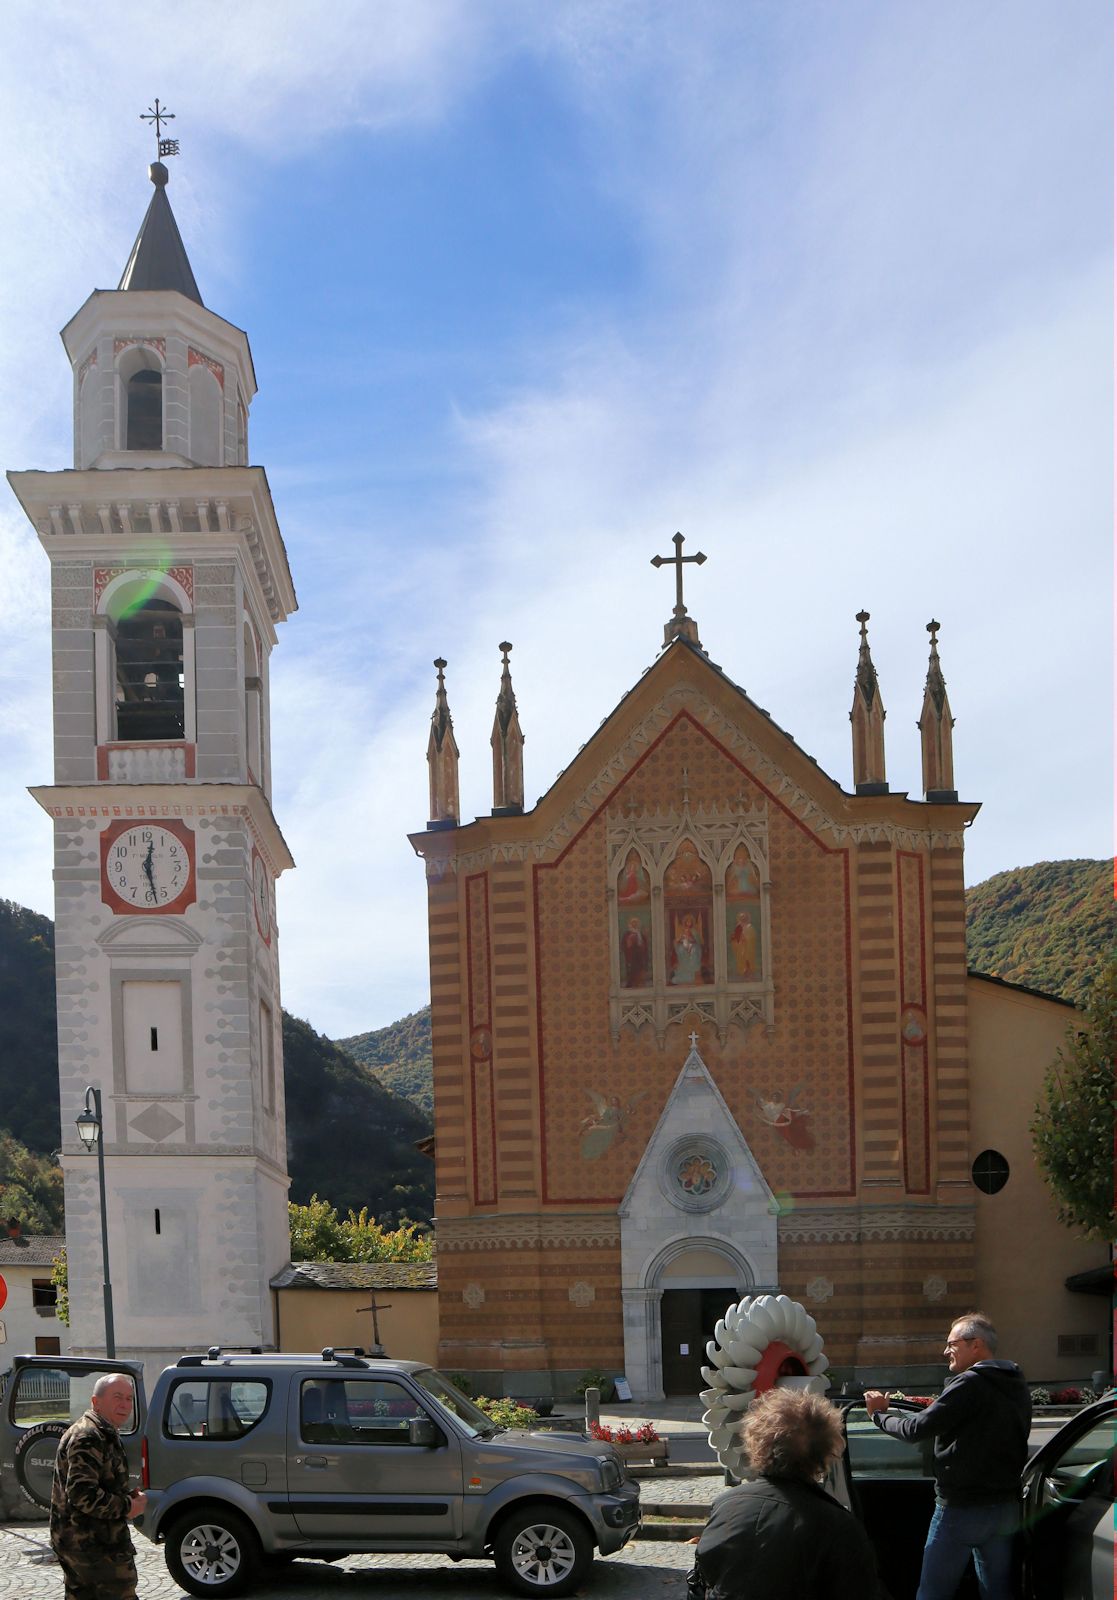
column 701, row 1027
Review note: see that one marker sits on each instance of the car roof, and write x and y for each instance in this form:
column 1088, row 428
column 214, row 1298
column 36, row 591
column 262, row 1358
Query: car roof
column 326, row 1361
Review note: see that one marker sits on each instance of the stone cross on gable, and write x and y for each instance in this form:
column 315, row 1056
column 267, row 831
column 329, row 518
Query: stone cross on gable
column 693, row 1040
column 681, row 625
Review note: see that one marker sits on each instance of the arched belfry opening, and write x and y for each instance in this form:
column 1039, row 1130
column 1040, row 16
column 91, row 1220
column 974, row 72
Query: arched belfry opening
column 150, row 688
column 141, row 381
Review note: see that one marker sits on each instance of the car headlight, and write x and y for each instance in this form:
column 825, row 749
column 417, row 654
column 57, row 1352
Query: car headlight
column 611, row 1475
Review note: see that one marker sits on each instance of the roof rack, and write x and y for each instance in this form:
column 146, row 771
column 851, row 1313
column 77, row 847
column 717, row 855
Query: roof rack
column 329, row 1354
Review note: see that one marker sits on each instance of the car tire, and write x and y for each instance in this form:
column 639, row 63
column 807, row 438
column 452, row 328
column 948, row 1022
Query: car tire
column 212, row 1551
column 543, row 1550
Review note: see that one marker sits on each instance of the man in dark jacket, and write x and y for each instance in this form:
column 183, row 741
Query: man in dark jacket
column 980, row 1426
column 91, row 1503
column 783, row 1537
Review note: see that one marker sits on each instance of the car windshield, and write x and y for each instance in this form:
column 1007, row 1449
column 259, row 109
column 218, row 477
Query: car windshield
column 447, row 1395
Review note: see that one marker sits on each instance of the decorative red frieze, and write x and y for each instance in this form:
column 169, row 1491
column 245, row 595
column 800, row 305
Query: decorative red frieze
column 149, row 344
column 90, row 361
column 103, row 576
column 195, row 358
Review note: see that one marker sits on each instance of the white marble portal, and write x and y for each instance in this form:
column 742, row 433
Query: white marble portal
column 698, row 1213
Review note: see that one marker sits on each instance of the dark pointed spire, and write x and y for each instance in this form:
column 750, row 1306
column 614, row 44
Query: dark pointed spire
column 935, row 725
column 442, row 759
column 867, row 718
column 158, row 259
column 508, row 745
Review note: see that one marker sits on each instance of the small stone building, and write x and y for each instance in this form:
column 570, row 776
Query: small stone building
column 319, row 1303
column 29, row 1324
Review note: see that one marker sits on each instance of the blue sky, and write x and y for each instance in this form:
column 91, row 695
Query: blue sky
column 528, row 287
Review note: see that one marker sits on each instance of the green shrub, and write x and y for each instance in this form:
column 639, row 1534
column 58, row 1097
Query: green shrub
column 595, row 1380
column 507, row 1413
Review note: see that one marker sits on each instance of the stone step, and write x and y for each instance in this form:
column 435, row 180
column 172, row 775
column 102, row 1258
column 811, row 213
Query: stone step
column 664, row 1528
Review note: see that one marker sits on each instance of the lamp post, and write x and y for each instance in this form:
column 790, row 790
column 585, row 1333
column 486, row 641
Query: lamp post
column 91, row 1132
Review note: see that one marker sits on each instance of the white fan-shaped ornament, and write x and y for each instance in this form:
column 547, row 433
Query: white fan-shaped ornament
column 753, row 1342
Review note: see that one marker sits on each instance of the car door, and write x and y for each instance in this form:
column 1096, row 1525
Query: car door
column 354, row 1476
column 890, row 1488
column 42, row 1396
column 1069, row 1509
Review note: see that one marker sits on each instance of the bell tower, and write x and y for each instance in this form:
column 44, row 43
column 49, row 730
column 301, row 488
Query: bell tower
column 169, row 578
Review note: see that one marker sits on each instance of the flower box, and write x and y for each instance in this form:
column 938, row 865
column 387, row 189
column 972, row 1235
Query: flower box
column 654, row 1451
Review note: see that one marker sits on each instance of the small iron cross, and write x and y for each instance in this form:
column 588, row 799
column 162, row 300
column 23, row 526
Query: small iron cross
column 677, row 560
column 375, row 1306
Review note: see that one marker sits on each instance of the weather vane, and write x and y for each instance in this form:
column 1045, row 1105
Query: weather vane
column 157, row 115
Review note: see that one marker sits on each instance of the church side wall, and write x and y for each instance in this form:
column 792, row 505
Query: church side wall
column 1015, row 1038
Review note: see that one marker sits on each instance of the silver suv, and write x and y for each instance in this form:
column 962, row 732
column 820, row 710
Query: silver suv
column 254, row 1459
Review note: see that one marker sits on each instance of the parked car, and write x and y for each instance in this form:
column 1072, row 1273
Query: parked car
column 255, row 1458
column 1067, row 1489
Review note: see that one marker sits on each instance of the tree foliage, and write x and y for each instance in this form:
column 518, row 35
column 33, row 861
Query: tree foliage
column 1073, row 1126
column 319, row 1234
column 60, row 1277
column 30, row 1187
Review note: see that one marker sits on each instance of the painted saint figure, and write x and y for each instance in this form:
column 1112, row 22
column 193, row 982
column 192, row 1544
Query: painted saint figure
column 742, row 944
column 635, row 955
column 687, row 949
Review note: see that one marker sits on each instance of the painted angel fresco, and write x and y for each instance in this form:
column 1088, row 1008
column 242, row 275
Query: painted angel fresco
column 600, row 1131
column 787, row 1118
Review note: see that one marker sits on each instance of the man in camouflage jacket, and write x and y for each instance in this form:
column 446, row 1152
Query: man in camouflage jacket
column 91, row 1503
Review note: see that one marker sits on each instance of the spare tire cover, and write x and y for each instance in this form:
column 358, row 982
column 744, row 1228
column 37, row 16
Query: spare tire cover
column 34, row 1460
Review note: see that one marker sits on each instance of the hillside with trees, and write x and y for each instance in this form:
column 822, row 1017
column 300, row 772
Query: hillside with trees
column 400, row 1056
column 1050, row 926
column 348, row 1137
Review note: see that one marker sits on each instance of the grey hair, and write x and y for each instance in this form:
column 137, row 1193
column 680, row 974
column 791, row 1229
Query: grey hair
column 976, row 1325
column 106, row 1381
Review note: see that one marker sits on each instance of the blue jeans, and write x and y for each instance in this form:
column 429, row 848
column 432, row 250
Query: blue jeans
column 955, row 1531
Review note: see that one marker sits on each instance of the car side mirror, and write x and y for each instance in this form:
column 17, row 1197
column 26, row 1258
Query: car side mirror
column 422, row 1431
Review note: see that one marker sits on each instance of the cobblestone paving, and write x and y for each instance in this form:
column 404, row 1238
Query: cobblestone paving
column 645, row 1571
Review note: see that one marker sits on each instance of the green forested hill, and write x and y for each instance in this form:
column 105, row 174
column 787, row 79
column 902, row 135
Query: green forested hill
column 350, row 1140
column 348, row 1137
column 1049, row 926
column 28, row 1029
column 400, row 1056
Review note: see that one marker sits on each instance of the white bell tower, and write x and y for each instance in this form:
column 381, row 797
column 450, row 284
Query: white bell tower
column 168, row 579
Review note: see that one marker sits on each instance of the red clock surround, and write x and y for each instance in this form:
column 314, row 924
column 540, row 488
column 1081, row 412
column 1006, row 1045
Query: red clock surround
column 186, row 897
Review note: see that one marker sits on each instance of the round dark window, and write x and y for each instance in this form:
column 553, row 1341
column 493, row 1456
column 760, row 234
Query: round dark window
column 990, row 1171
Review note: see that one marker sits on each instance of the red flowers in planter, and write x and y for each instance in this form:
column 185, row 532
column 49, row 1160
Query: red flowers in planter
column 645, row 1434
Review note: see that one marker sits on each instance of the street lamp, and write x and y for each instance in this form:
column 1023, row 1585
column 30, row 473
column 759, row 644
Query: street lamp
column 91, row 1132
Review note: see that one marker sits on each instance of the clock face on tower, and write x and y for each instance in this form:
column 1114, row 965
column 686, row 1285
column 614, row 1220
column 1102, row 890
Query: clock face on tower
column 147, row 867
column 261, row 897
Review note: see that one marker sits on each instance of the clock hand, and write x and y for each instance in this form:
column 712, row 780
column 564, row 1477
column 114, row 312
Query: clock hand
column 147, row 867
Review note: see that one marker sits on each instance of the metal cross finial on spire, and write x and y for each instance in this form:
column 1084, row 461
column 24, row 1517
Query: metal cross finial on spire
column 157, row 115
column 677, row 560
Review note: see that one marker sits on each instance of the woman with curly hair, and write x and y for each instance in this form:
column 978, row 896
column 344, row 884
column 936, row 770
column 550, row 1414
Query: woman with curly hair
column 781, row 1536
